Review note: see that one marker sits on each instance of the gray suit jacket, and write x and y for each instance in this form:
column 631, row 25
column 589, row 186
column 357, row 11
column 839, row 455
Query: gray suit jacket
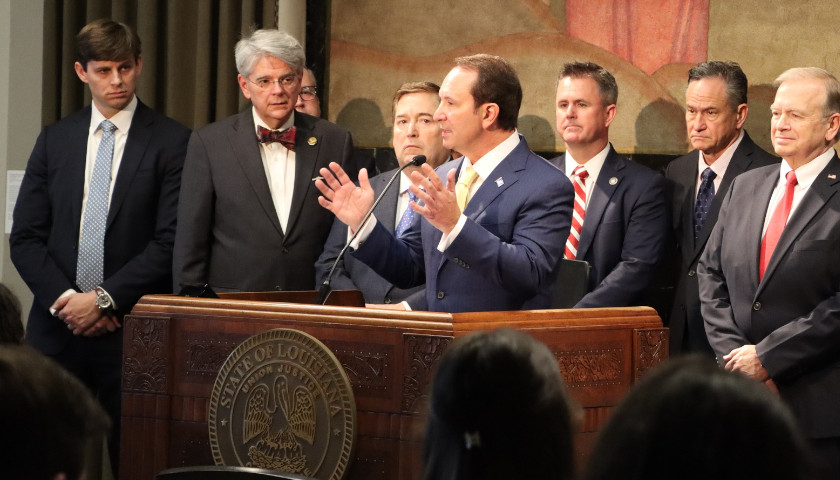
column 351, row 274
column 229, row 235
column 792, row 315
column 685, row 322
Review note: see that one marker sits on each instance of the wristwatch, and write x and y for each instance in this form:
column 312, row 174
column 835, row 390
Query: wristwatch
column 103, row 300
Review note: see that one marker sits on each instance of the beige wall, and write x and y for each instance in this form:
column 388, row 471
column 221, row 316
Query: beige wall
column 379, row 44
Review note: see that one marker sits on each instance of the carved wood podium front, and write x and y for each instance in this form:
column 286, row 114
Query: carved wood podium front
column 174, row 347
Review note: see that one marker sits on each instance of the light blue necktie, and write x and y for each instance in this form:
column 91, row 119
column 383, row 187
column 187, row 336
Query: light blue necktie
column 407, row 217
column 91, row 259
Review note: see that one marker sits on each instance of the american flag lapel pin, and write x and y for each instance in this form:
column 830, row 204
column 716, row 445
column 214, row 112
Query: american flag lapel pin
column 832, row 176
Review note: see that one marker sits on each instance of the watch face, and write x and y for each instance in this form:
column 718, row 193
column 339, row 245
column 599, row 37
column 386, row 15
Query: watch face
column 102, row 301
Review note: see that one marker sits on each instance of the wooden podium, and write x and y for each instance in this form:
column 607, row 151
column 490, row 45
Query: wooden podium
column 174, row 347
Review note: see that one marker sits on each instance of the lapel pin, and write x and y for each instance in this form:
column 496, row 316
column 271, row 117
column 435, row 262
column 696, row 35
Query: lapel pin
column 312, row 141
column 499, row 182
column 832, row 176
column 613, row 180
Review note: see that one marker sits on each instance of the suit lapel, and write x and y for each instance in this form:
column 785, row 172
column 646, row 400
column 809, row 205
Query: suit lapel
column 387, row 209
column 243, row 140
column 76, row 145
column 824, row 187
column 608, row 181
column 307, row 145
column 754, row 215
column 139, row 135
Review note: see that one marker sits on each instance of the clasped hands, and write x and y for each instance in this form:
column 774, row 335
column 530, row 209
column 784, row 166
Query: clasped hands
column 81, row 315
column 745, row 360
column 349, row 203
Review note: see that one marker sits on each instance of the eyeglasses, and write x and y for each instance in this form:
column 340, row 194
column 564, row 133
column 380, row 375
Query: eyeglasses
column 286, row 81
column 308, row 92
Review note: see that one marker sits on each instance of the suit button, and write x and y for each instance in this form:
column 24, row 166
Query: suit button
column 440, row 295
column 387, row 300
column 691, row 273
column 284, row 250
column 757, row 306
column 278, row 287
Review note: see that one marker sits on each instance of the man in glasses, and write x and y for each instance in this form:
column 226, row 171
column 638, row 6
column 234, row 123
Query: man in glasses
column 249, row 218
column 308, row 101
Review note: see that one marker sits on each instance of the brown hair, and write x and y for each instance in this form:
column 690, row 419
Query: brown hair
column 106, row 40
column 497, row 83
column 414, row 87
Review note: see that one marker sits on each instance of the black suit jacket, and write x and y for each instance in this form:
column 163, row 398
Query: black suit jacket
column 141, row 218
column 791, row 315
column 351, row 274
column 685, row 321
column 229, row 234
column 623, row 233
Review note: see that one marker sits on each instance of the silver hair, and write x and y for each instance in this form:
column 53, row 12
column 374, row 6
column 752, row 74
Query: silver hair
column 268, row 43
column 832, row 87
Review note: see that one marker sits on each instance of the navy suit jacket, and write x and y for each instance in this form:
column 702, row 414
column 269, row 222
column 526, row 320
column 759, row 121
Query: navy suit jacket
column 685, row 322
column 229, row 234
column 623, row 232
column 141, row 217
column 350, row 273
column 791, row 315
column 517, row 225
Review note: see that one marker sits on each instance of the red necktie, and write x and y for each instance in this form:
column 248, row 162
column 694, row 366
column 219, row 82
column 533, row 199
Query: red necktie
column 776, row 225
column 286, row 137
column 579, row 181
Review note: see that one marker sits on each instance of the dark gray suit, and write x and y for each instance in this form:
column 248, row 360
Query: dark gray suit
column 792, row 315
column 685, row 322
column 351, row 274
column 229, row 235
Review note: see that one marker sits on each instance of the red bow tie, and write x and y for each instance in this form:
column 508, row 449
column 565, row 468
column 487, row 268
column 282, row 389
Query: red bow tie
column 286, row 137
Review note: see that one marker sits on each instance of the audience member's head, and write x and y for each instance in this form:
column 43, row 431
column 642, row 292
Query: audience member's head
column 499, row 410
column 11, row 323
column 415, row 130
column 689, row 419
column 308, row 101
column 48, row 418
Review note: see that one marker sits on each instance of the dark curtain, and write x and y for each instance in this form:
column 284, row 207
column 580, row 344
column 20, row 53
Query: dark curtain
column 188, row 72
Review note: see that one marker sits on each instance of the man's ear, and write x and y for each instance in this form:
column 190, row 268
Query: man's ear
column 489, row 114
column 80, row 72
column 741, row 112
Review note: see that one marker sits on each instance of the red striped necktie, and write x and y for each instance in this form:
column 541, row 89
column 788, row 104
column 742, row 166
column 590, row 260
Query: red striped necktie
column 579, row 181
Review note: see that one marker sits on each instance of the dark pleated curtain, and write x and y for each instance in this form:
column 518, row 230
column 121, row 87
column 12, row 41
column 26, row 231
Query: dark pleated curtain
column 188, row 72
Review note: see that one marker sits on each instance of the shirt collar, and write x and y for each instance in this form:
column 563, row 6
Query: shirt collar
column 258, row 122
column 719, row 166
column 121, row 119
column 593, row 165
column 806, row 174
column 485, row 165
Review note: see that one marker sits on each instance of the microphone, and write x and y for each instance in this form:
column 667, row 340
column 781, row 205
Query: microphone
column 324, row 291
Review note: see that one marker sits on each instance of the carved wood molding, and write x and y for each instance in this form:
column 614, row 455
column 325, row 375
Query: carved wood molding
column 205, row 352
column 591, row 367
column 421, row 353
column 652, row 347
column 369, row 367
column 145, row 354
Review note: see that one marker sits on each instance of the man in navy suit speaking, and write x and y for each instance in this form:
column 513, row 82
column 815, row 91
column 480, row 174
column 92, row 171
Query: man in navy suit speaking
column 491, row 226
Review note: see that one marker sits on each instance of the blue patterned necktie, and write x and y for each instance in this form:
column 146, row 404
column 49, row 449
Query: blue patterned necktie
column 91, row 260
column 704, row 199
column 407, row 217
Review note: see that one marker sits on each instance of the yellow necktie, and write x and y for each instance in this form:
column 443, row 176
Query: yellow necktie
column 462, row 188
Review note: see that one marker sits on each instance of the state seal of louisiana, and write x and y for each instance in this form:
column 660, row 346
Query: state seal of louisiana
column 282, row 401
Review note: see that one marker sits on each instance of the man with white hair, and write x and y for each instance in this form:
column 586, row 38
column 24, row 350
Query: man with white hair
column 770, row 275
column 249, row 218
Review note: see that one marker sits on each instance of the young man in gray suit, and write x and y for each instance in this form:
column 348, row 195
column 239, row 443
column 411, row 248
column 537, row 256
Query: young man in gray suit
column 249, row 218
column 716, row 109
column 415, row 132
column 770, row 274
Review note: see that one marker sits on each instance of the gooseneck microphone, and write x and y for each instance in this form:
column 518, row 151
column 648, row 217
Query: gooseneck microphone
column 324, row 291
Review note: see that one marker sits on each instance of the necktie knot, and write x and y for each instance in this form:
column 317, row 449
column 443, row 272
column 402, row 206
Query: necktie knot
column 285, row 138
column 791, row 178
column 462, row 187
column 708, row 175
column 107, row 126
column 581, row 173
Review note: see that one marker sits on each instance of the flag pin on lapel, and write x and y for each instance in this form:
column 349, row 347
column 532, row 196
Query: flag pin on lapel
column 613, row 180
column 832, row 176
column 312, row 141
column 499, row 182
